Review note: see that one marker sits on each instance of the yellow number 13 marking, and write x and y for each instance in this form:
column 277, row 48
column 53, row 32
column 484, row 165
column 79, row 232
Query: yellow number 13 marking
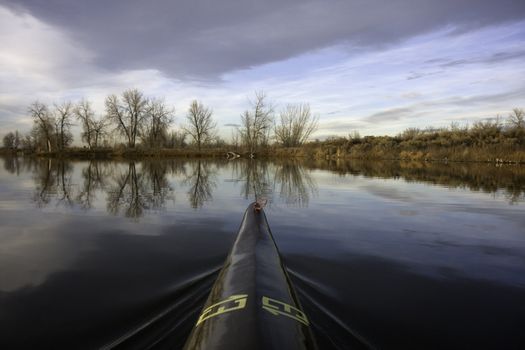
column 238, row 302
column 234, row 302
column 277, row 307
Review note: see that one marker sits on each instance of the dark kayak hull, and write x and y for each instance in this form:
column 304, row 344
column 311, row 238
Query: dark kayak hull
column 252, row 304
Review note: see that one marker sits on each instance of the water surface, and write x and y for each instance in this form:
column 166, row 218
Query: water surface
column 382, row 254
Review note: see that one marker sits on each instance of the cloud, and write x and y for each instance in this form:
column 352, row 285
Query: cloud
column 202, row 38
column 417, row 75
column 338, row 125
column 35, row 61
column 494, row 58
column 354, row 79
column 500, row 57
column 431, row 109
column 411, row 95
column 388, row 115
column 482, row 99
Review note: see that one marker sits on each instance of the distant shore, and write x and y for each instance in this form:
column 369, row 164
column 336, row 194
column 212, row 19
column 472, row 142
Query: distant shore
column 492, row 140
column 330, row 150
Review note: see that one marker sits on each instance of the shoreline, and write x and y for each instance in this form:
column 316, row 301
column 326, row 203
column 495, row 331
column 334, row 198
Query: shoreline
column 316, row 153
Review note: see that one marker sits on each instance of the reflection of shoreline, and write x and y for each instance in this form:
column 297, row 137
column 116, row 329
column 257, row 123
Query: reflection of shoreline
column 139, row 188
column 288, row 179
column 201, row 181
column 295, row 184
column 130, row 190
column 125, row 194
column 53, row 182
column 488, row 178
column 133, row 189
column 94, row 175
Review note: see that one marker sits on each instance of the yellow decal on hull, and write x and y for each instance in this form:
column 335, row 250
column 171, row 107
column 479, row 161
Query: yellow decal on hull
column 234, row 302
column 277, row 307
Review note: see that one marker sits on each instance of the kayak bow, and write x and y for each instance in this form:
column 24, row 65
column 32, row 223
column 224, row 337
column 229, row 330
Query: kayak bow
column 252, row 304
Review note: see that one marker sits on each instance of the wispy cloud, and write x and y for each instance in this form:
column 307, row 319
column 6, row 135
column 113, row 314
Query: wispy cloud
column 495, row 58
column 417, row 75
column 390, row 115
column 339, row 127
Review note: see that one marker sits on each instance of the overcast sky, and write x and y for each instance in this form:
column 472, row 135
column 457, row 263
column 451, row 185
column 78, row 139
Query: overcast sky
column 376, row 66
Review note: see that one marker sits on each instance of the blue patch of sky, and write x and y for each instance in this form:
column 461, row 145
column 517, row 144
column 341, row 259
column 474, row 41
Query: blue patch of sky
column 437, row 75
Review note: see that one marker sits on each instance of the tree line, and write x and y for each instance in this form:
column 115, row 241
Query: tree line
column 140, row 121
column 131, row 120
column 496, row 139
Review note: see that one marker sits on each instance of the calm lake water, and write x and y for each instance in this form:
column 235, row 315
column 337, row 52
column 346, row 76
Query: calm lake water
column 382, row 254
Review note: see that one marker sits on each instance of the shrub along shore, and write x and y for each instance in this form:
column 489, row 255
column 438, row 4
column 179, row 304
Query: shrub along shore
column 136, row 126
column 370, row 148
column 492, row 141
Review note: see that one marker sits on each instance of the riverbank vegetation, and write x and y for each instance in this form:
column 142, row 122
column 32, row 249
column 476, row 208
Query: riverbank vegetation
column 134, row 125
column 494, row 140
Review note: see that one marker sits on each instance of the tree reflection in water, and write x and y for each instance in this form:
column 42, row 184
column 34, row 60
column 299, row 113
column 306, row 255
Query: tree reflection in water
column 130, row 189
column 44, row 182
column 12, row 164
column 94, row 176
column 139, row 188
column 294, row 184
column 201, row 180
column 53, row 182
column 254, row 176
column 134, row 188
column 505, row 179
column 125, row 195
column 290, row 180
column 159, row 188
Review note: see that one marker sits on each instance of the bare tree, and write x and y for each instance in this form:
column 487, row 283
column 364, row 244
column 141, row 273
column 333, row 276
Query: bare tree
column 9, row 140
column 256, row 124
column 85, row 115
column 63, row 124
column 128, row 113
column 17, row 141
column 99, row 130
column 92, row 129
column 201, row 126
column 517, row 118
column 159, row 118
column 44, row 123
column 235, row 139
column 30, row 140
column 177, row 139
column 296, row 125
